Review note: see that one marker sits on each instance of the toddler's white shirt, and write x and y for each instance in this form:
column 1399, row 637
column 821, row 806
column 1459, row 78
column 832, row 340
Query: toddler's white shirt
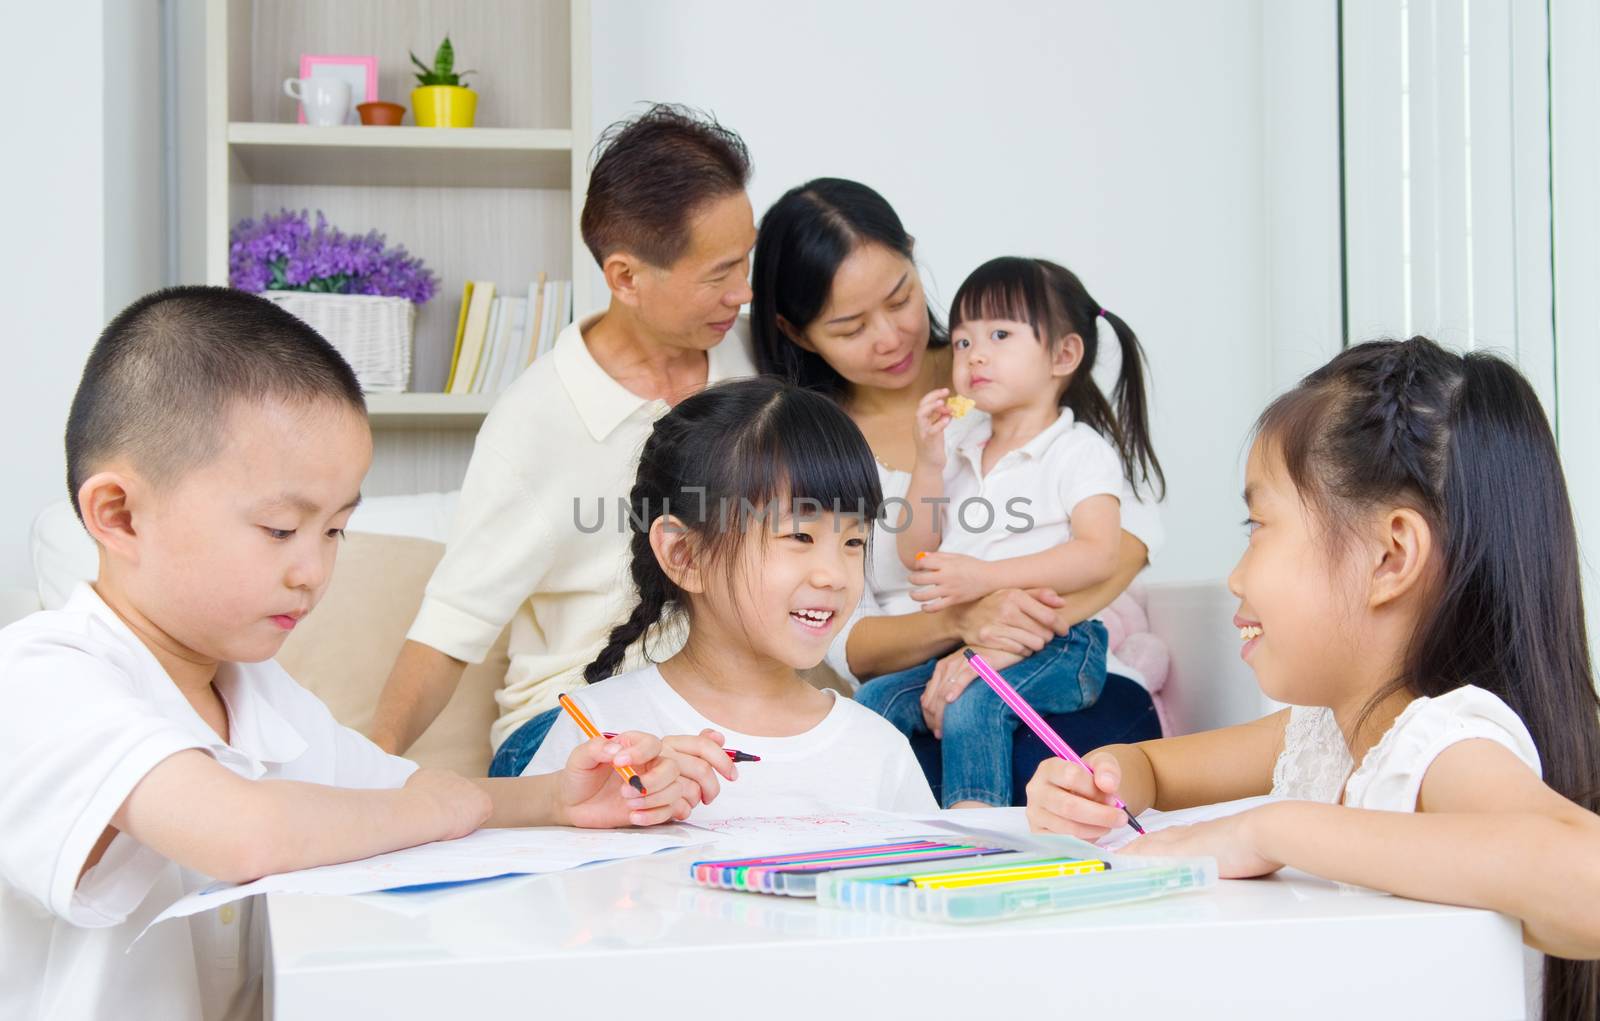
column 1044, row 479
column 853, row 760
column 86, row 711
column 889, row 586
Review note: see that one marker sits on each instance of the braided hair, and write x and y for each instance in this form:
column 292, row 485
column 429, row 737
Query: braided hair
column 1052, row 300
column 1463, row 440
column 734, row 450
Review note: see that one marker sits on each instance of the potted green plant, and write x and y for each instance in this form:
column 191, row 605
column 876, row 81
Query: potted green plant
column 440, row 100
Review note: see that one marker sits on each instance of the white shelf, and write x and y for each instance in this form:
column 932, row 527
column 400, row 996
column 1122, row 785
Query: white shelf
column 403, row 156
column 428, row 411
column 499, row 202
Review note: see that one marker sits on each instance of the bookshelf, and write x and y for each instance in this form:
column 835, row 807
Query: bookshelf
column 498, row 201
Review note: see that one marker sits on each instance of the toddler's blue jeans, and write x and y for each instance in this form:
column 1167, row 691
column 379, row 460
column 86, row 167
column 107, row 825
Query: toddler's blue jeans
column 1063, row 677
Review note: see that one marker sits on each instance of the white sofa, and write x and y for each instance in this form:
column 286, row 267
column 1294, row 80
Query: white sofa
column 343, row 651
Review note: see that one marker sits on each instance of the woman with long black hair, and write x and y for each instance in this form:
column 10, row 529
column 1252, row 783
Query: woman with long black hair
column 839, row 307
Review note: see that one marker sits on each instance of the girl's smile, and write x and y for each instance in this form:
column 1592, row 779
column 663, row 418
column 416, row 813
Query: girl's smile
column 814, row 620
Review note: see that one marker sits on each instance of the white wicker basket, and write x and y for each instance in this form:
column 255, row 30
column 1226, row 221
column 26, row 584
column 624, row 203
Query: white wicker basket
column 373, row 333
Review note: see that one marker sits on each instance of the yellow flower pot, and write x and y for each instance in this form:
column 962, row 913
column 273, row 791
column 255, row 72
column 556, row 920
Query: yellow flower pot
column 444, row 106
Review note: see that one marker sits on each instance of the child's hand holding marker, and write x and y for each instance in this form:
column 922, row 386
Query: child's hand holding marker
column 702, row 758
column 591, row 796
column 1064, row 798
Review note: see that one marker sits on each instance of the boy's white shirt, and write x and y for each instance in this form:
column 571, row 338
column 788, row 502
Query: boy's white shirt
column 86, row 711
column 852, row 760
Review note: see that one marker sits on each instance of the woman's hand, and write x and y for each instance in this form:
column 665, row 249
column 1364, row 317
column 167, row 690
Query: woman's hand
column 941, row 580
column 932, row 417
column 591, row 794
column 1064, row 798
column 1011, row 620
column 950, row 678
column 1231, row 840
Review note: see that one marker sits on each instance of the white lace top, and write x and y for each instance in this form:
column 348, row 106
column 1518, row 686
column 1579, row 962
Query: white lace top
column 1315, row 764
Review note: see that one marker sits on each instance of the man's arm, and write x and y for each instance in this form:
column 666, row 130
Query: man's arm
column 419, row 686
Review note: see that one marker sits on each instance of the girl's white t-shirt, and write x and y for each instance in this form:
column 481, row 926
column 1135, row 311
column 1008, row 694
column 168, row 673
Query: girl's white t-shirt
column 888, row 590
column 852, row 760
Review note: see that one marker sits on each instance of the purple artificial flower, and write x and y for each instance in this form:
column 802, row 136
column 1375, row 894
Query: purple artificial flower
column 284, row 251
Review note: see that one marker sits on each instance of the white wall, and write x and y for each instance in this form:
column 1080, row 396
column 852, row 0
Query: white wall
column 1125, row 141
column 136, row 250
column 85, row 227
column 53, row 273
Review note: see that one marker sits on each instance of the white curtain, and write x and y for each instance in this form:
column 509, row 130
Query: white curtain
column 1471, row 154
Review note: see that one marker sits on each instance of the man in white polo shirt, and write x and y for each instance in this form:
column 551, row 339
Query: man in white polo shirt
column 536, row 539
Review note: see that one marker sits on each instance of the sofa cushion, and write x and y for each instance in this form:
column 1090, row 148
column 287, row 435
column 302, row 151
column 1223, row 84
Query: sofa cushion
column 344, row 650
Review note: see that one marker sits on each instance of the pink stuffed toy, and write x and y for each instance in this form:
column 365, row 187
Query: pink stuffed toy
column 1128, row 629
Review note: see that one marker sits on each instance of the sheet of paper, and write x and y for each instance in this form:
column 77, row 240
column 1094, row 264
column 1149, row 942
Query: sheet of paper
column 476, row 856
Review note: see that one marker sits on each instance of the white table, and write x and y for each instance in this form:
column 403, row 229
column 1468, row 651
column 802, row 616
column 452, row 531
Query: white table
column 638, row 939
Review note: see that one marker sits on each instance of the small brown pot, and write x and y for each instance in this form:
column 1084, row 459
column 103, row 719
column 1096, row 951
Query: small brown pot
column 382, row 114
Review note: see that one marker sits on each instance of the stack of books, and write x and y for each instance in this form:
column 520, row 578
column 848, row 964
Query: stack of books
column 497, row 336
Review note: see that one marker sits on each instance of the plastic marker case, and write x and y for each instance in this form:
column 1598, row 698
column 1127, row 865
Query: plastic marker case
column 890, row 891
column 965, row 879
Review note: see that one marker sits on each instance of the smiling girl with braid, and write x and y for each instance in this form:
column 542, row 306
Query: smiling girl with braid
column 751, row 514
column 1411, row 589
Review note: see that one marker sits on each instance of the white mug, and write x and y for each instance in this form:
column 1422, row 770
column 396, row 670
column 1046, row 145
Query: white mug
column 326, row 101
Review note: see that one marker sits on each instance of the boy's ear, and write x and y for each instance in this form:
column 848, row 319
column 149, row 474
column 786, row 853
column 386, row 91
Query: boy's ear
column 106, row 501
column 1400, row 557
column 796, row 337
column 674, row 549
column 622, row 277
column 1068, row 355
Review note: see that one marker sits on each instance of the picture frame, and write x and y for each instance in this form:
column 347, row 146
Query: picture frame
column 361, row 72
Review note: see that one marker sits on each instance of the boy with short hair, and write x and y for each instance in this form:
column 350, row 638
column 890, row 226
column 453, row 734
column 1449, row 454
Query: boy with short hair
column 215, row 451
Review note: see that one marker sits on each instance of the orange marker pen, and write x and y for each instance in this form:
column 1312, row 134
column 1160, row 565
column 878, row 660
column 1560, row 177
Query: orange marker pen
column 591, row 731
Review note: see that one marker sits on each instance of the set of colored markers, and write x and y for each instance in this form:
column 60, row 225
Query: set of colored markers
column 795, row 875
column 941, row 866
column 937, row 879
